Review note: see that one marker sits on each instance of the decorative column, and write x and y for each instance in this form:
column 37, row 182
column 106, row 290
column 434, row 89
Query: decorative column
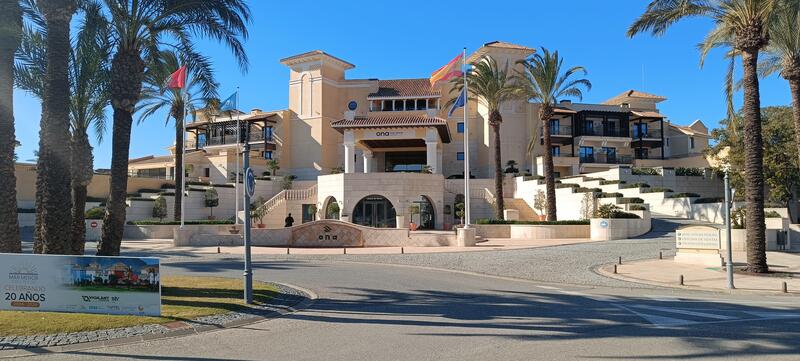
column 432, row 149
column 349, row 152
column 367, row 161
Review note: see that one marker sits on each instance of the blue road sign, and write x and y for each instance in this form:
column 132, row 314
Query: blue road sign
column 250, row 182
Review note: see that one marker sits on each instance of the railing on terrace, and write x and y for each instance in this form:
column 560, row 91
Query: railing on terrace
column 603, row 131
column 606, row 159
column 564, row 130
column 288, row 195
column 646, row 134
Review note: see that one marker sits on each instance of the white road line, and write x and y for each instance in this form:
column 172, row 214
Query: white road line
column 685, row 312
column 548, row 287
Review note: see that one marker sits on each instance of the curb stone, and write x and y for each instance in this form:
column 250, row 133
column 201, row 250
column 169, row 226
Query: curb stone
column 290, row 300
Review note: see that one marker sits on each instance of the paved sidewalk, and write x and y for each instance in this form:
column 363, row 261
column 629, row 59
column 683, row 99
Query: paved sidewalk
column 666, row 272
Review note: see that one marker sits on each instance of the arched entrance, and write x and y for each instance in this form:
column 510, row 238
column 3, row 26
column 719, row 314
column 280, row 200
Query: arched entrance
column 424, row 217
column 375, row 211
column 331, row 209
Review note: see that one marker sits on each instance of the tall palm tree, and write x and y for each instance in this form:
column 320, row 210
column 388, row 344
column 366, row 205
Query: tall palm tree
column 544, row 82
column 139, row 28
column 53, row 193
column 490, row 86
column 200, row 90
column 746, row 23
column 88, row 77
column 10, row 32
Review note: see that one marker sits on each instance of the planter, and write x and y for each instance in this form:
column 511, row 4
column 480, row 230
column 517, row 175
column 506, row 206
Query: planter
column 234, row 231
column 412, row 226
column 212, row 218
column 261, row 225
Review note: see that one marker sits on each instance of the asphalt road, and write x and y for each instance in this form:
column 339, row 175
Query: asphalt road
column 378, row 312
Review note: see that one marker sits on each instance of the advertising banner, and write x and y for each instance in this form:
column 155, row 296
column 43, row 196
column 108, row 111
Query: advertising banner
column 87, row 284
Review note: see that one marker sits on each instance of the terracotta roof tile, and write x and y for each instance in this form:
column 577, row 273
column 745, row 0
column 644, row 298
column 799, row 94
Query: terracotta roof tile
column 405, row 88
column 399, row 121
column 505, row 45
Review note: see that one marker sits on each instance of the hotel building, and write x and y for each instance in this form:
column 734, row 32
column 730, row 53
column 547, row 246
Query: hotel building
column 367, row 145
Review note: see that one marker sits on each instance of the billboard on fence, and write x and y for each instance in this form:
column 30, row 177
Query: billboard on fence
column 106, row 285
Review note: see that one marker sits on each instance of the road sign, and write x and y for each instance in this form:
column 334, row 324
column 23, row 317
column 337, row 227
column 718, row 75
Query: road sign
column 93, row 224
column 604, row 223
column 250, row 182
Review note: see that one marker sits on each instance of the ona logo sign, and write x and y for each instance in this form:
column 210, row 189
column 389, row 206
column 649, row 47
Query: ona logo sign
column 326, row 233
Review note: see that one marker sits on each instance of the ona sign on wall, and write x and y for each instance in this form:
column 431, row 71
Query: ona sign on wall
column 87, row 284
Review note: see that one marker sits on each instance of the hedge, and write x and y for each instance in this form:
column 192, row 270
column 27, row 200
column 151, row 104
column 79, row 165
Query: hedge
column 709, row 200
column 531, row 177
column 553, row 223
column 690, row 172
column 567, row 185
column 141, row 199
column 634, row 200
column 636, row 185
column 587, row 190
column 149, row 222
column 645, row 171
column 624, row 215
column 95, row 213
column 772, row 214
column 591, row 179
column 615, row 181
column 683, row 195
column 611, row 195
column 656, row 190
column 637, row 207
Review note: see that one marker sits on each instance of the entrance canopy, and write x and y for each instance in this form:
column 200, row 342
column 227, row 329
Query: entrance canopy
column 395, row 122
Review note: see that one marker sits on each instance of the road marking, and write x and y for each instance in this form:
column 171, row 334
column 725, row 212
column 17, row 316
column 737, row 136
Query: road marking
column 685, row 312
column 659, row 320
column 548, row 287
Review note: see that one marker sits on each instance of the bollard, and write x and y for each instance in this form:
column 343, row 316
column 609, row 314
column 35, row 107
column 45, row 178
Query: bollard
column 785, row 287
column 287, row 250
column 620, row 260
column 615, row 269
column 660, row 255
column 680, row 280
column 218, row 249
column 402, row 251
column 345, row 250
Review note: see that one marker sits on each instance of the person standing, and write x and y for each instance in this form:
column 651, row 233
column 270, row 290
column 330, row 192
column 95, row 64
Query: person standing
column 289, row 221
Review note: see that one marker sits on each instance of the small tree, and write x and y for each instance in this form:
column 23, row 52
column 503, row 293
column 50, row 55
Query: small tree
column 212, row 199
column 337, row 170
column 312, row 211
column 511, row 167
column 287, row 181
column 540, row 202
column 333, row 211
column 160, row 208
column 426, row 169
column 460, row 211
column 257, row 211
column 588, row 205
column 412, row 210
column 273, row 165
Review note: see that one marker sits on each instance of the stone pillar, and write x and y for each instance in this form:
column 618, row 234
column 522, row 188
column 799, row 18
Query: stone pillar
column 367, row 161
column 433, row 156
column 465, row 237
column 439, row 161
column 349, row 152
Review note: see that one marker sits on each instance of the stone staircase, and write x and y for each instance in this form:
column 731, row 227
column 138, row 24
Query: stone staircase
column 526, row 213
column 280, row 202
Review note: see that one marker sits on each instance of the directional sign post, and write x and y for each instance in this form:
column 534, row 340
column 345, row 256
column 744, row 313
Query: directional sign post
column 249, row 189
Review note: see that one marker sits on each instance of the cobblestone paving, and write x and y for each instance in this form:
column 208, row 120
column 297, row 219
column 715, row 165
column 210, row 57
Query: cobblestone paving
column 287, row 297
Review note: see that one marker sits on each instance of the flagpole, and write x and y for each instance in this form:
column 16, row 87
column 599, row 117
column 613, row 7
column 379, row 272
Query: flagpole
column 466, row 143
column 238, row 154
column 183, row 160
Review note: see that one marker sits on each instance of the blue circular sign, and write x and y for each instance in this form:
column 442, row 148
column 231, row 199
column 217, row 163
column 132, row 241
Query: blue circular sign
column 250, row 182
column 604, row 223
column 352, row 105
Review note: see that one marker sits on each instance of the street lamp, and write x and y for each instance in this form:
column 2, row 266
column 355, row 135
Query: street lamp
column 728, row 203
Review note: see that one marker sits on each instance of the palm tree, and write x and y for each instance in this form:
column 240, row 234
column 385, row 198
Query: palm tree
column 746, row 23
column 10, row 31
column 200, row 90
column 543, row 81
column 490, row 86
column 88, row 77
column 139, row 27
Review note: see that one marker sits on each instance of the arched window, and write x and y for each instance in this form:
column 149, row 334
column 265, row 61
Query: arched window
column 331, row 208
column 424, row 215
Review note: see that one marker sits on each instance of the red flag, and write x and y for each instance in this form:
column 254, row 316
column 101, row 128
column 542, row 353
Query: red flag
column 177, row 80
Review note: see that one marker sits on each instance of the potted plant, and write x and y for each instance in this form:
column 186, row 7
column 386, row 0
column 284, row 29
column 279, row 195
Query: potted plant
column 426, row 169
column 257, row 211
column 539, row 203
column 160, row 209
column 212, row 200
column 460, row 211
column 412, row 210
column 273, row 165
column 337, row 170
column 333, row 211
column 511, row 167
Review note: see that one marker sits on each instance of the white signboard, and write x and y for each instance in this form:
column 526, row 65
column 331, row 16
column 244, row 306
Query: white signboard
column 390, row 134
column 697, row 237
column 106, row 285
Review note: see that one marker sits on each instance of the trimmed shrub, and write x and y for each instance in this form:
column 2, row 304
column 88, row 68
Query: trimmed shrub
column 709, row 200
column 554, row 223
column 95, row 213
column 611, row 195
column 531, row 177
column 223, row 185
column 198, row 183
column 566, row 185
column 95, row 200
column 625, row 215
column 656, row 190
column 645, row 171
column 141, row 199
column 160, row 208
column 637, row 207
column 683, row 195
column 612, row 211
column 587, row 190
column 167, row 194
column 633, row 200
column 591, row 179
column 635, row 185
column 690, row 172
column 607, row 182
column 772, row 214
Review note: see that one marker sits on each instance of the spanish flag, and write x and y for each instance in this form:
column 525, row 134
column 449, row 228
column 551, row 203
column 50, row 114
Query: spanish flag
column 447, row 72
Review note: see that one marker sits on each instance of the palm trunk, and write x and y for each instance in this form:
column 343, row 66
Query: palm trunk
column 794, row 85
column 754, row 167
column 495, row 119
column 549, row 175
column 10, row 28
column 81, row 177
column 127, row 73
column 53, row 167
column 179, row 148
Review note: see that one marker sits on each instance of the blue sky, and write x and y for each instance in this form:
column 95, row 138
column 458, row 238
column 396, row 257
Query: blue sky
column 412, row 38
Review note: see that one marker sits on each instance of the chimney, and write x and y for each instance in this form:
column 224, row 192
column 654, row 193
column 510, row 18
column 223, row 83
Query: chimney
column 255, row 111
column 625, row 106
column 565, row 102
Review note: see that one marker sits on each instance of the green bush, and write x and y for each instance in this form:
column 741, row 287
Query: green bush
column 683, row 195
column 645, row 171
column 625, row 215
column 153, row 222
column 160, row 208
column 531, row 177
column 167, row 194
column 567, row 185
column 612, row 211
column 615, row 181
column 591, row 179
column 691, row 172
column 587, row 190
column 772, row 214
column 555, row 223
column 223, row 185
column 95, row 200
column 611, row 195
column 633, row 200
column 709, row 200
column 141, row 199
column 197, row 183
column 637, row 207
column 95, row 213
column 656, row 190
column 635, row 185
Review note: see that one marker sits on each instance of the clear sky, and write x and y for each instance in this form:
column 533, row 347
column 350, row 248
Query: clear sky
column 409, row 39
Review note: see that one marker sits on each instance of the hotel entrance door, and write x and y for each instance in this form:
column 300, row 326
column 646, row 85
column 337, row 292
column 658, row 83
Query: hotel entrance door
column 375, row 211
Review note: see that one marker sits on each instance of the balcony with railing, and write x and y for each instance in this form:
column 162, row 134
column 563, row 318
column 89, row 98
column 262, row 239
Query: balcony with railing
column 561, row 130
column 638, row 133
column 606, row 159
column 603, row 131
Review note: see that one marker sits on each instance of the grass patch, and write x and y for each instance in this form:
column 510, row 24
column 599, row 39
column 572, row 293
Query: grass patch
column 182, row 298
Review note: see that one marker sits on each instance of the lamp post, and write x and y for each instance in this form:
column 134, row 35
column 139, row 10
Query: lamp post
column 728, row 204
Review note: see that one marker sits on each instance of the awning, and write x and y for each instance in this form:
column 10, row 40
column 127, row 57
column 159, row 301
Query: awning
column 647, row 114
column 405, row 121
